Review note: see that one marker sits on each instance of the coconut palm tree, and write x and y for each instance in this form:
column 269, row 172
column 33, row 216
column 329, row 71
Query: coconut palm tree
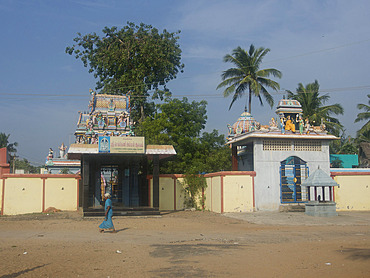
column 314, row 109
column 247, row 76
column 364, row 133
column 4, row 143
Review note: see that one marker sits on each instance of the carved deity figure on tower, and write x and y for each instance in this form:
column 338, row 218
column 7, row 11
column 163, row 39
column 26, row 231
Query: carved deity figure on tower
column 282, row 127
column 307, row 126
column 273, row 122
column 122, row 120
column 301, row 125
column 289, row 125
column 62, row 151
column 111, row 106
column 322, row 125
column 50, row 155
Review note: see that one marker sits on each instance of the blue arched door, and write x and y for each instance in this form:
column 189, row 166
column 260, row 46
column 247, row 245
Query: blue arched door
column 293, row 171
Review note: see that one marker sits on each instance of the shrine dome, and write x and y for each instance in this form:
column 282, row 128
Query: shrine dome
column 289, row 106
column 245, row 123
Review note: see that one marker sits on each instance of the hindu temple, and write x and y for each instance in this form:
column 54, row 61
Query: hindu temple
column 114, row 160
column 281, row 153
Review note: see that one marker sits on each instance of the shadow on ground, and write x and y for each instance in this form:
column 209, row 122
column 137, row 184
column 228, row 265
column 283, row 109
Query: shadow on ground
column 357, row 253
column 19, row 273
column 180, row 254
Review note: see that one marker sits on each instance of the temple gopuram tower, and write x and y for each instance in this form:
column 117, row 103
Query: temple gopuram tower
column 113, row 159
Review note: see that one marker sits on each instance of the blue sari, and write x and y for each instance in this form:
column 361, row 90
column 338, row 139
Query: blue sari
column 108, row 224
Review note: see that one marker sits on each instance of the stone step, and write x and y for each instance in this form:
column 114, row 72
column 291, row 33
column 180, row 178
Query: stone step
column 142, row 211
column 292, row 208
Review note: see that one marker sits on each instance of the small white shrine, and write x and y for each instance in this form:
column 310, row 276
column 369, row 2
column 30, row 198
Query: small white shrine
column 320, row 188
column 281, row 153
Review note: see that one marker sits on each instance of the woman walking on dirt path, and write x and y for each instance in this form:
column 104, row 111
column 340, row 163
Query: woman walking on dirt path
column 107, row 223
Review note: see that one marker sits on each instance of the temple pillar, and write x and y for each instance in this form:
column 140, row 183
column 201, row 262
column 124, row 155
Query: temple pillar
column 126, row 186
column 156, row 181
column 143, row 189
column 135, row 184
column 234, row 158
column 97, row 186
column 85, row 182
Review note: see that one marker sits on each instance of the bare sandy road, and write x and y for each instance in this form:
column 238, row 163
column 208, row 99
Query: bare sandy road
column 186, row 244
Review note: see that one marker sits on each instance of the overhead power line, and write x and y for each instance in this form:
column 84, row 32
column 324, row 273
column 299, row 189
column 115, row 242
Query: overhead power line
column 34, row 163
column 177, row 95
column 132, row 87
column 319, row 51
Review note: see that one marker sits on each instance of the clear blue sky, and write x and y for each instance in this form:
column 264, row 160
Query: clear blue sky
column 42, row 88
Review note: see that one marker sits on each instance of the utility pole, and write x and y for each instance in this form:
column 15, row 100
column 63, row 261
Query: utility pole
column 14, row 158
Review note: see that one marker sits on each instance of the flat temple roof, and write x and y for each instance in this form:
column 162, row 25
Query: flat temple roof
column 164, row 151
column 247, row 137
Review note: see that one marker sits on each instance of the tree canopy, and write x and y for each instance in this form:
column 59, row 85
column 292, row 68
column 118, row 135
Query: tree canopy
column 4, row 143
column 25, row 165
column 346, row 145
column 363, row 135
column 314, row 109
column 247, row 75
column 136, row 58
column 180, row 123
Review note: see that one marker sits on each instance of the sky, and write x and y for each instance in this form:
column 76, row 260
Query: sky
column 42, row 88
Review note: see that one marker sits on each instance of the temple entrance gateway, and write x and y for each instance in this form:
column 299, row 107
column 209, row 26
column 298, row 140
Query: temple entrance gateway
column 113, row 159
column 123, row 176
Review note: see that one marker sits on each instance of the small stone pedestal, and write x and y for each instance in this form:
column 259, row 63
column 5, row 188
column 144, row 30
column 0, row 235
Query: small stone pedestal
column 322, row 209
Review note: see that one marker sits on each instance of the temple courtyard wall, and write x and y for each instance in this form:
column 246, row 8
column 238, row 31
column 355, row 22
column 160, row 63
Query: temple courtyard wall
column 353, row 192
column 233, row 191
column 35, row 193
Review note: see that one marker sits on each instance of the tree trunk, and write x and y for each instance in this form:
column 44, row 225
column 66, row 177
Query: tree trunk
column 142, row 117
column 250, row 101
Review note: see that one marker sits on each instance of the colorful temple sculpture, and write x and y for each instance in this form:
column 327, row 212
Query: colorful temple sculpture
column 290, row 120
column 114, row 160
column 281, row 153
column 61, row 164
column 109, row 115
column 245, row 123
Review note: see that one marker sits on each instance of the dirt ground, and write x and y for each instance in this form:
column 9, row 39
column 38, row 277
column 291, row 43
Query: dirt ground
column 186, row 244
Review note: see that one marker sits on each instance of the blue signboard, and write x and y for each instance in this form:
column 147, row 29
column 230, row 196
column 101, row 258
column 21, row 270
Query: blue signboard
column 104, row 144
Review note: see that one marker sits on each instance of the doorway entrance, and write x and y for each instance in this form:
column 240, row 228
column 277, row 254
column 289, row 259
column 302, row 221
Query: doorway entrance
column 109, row 183
column 293, row 171
column 123, row 176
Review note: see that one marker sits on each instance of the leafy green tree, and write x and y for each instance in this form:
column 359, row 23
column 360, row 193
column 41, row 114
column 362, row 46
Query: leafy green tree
column 363, row 135
column 65, row 171
column 247, row 76
column 217, row 155
column 336, row 163
column 314, row 109
column 347, row 146
column 193, row 185
column 134, row 58
column 25, row 165
column 176, row 119
column 179, row 123
column 4, row 143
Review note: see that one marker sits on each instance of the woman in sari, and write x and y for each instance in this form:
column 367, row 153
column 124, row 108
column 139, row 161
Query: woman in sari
column 107, row 223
